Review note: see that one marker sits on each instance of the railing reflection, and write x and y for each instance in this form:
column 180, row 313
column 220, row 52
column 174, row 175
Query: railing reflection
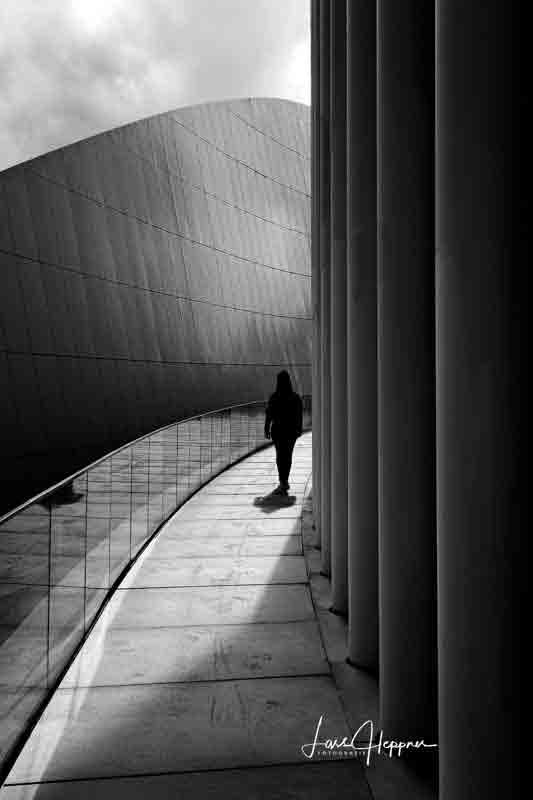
column 63, row 551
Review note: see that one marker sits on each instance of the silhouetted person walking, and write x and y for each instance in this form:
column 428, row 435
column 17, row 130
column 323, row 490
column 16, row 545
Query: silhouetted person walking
column 283, row 424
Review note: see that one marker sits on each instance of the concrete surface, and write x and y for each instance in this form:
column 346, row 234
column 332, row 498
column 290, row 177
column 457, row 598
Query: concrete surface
column 206, row 671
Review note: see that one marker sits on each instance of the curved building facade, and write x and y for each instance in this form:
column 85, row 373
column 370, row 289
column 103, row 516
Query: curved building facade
column 149, row 273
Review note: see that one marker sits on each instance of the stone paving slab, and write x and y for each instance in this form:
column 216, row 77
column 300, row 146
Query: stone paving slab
column 132, row 730
column 193, row 511
column 234, row 571
column 225, row 546
column 242, row 500
column 213, row 605
column 201, row 653
column 266, row 526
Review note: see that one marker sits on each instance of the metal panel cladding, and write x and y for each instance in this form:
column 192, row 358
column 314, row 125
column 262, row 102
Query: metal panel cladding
column 149, row 273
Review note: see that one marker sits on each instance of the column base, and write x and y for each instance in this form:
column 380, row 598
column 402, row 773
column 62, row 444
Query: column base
column 338, row 613
column 370, row 669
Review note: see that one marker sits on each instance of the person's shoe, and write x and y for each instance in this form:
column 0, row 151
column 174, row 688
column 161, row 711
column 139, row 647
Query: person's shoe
column 280, row 490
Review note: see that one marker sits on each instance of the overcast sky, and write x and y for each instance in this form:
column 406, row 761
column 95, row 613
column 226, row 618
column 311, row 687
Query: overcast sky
column 72, row 68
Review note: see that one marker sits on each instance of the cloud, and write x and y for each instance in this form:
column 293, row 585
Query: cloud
column 72, row 68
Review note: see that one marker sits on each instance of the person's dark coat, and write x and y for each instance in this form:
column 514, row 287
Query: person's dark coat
column 284, row 412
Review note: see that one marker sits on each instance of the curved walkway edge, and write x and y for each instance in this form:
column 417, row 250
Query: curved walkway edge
column 210, row 667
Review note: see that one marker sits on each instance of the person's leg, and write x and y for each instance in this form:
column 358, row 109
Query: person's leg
column 278, row 444
column 284, row 463
column 281, row 463
column 284, row 460
column 288, row 461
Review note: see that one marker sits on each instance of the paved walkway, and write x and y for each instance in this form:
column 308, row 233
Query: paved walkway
column 206, row 672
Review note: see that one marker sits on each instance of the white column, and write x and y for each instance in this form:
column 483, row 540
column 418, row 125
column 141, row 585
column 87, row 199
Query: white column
column 339, row 450
column 324, row 239
column 363, row 641
column 406, row 388
column 315, row 257
column 481, row 300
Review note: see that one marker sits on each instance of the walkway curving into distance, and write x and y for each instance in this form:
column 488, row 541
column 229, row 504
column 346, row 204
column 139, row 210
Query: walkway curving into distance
column 206, row 671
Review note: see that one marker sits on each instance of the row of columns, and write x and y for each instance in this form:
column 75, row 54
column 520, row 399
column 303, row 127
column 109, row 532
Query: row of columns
column 415, row 373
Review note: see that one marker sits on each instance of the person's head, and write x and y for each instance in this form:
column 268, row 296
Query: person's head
column 283, row 383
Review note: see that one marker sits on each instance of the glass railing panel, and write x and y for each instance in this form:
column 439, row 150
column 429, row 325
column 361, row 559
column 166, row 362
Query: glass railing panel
column 24, row 632
column 68, row 539
column 245, row 427
column 195, row 451
column 68, row 507
column 182, row 470
column 169, row 469
column 97, row 566
column 24, row 547
column 206, row 445
column 225, row 438
column 66, row 626
column 139, row 494
column 97, row 562
column 119, row 513
column 24, row 593
column 155, row 481
column 257, row 425
column 238, row 433
column 220, row 443
column 98, row 581
column 189, row 454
